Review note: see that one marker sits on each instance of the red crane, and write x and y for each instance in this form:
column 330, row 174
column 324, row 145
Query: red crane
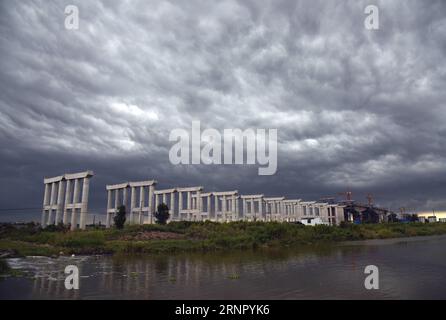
column 347, row 194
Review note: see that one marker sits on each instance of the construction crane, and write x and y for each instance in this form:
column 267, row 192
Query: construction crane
column 369, row 199
column 347, row 194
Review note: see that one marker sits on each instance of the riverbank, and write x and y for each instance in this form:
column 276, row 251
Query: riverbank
column 304, row 272
column 30, row 240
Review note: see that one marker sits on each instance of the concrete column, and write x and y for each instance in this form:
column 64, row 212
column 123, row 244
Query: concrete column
column 237, row 208
column 216, row 207
column 52, row 202
column 45, row 202
column 109, row 206
column 125, row 198
column 76, row 191
column 266, row 211
column 339, row 215
column 244, row 208
column 251, row 207
column 172, row 204
column 150, row 204
column 60, row 200
column 73, row 219
column 165, row 198
column 117, row 201
column 270, row 208
column 233, row 206
column 252, row 210
column 109, row 199
column 199, row 202
column 132, row 204
column 180, row 204
column 76, row 195
column 208, row 209
column 193, row 214
column 189, row 206
column 276, row 210
column 53, row 193
column 260, row 209
column 223, row 207
column 67, row 201
column 46, row 195
column 157, row 202
column 142, row 200
column 84, row 205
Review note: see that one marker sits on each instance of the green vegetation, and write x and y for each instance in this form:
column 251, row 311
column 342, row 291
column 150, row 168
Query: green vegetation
column 195, row 236
column 162, row 214
column 119, row 218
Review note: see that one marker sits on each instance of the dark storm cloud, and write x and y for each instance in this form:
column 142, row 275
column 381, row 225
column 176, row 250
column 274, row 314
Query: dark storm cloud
column 354, row 108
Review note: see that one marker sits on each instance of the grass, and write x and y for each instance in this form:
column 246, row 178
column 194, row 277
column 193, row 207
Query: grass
column 198, row 236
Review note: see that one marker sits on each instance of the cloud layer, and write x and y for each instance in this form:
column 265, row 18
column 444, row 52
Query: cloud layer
column 354, row 108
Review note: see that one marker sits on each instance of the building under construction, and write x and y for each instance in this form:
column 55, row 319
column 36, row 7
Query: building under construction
column 359, row 212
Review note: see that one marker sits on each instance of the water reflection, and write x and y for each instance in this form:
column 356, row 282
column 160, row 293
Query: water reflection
column 298, row 273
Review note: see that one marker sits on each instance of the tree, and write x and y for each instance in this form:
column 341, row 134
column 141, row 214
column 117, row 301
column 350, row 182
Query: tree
column 120, row 217
column 162, row 214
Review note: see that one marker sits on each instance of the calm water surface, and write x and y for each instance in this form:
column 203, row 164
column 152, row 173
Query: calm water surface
column 409, row 269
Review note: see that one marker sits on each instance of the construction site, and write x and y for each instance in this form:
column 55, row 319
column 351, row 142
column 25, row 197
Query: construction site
column 362, row 212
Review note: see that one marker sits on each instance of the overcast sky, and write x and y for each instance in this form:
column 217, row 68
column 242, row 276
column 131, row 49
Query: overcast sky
column 355, row 108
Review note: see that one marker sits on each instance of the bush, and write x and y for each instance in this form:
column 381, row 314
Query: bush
column 162, row 214
column 56, row 228
column 345, row 224
column 119, row 219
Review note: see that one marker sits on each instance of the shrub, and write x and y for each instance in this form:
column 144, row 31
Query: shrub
column 162, row 214
column 119, row 219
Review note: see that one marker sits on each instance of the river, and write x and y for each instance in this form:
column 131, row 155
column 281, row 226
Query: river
column 410, row 268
